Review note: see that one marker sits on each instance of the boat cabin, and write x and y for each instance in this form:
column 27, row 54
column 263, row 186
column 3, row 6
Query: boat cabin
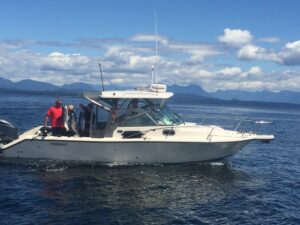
column 136, row 108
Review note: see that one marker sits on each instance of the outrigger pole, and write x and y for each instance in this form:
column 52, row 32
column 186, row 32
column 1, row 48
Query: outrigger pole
column 101, row 76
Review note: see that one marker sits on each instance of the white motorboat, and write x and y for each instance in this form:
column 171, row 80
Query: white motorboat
column 152, row 134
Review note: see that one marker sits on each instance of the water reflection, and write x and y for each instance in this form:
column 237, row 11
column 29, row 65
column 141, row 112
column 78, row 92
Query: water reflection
column 110, row 193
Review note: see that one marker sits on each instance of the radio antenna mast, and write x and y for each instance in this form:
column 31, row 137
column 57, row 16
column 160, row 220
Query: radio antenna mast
column 155, row 21
column 101, row 76
column 152, row 74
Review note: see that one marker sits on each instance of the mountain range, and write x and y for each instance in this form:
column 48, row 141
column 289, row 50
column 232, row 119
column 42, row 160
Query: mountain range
column 29, row 85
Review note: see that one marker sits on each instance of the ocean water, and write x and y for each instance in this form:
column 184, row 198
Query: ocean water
column 259, row 185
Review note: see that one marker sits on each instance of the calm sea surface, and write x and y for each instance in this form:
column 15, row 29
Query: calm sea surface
column 259, row 185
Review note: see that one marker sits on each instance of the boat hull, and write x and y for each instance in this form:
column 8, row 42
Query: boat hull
column 124, row 152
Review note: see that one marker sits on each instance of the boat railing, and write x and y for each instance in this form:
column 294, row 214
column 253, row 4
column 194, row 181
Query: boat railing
column 237, row 124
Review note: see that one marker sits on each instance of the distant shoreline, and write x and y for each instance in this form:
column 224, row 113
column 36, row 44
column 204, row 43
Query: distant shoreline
column 179, row 98
column 46, row 93
column 199, row 100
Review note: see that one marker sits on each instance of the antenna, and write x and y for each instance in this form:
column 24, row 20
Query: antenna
column 152, row 74
column 155, row 21
column 101, row 76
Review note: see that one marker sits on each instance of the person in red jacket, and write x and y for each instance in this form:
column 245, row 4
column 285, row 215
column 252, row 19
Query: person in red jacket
column 55, row 113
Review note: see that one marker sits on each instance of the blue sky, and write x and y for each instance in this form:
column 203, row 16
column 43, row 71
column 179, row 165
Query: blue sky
column 246, row 45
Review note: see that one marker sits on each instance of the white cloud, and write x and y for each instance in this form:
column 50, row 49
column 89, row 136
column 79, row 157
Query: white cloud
column 56, row 67
column 236, row 73
column 242, row 39
column 269, row 39
column 117, row 81
column 255, row 70
column 66, row 66
column 258, row 85
column 293, row 46
column 129, row 62
column 253, row 52
column 197, row 53
column 202, row 74
column 60, row 61
column 117, row 53
column 139, row 61
column 150, row 38
column 230, row 71
column 290, row 54
column 235, row 37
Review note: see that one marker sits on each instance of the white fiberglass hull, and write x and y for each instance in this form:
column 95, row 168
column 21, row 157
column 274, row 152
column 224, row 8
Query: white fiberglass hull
column 129, row 151
column 153, row 148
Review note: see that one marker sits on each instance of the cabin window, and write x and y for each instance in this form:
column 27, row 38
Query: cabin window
column 121, row 108
column 101, row 118
column 102, row 115
column 140, row 120
column 124, row 106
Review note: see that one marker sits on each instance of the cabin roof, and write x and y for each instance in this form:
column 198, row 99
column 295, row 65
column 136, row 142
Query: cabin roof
column 139, row 94
column 129, row 94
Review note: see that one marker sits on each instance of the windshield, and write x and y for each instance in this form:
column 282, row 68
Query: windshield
column 151, row 114
column 166, row 117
